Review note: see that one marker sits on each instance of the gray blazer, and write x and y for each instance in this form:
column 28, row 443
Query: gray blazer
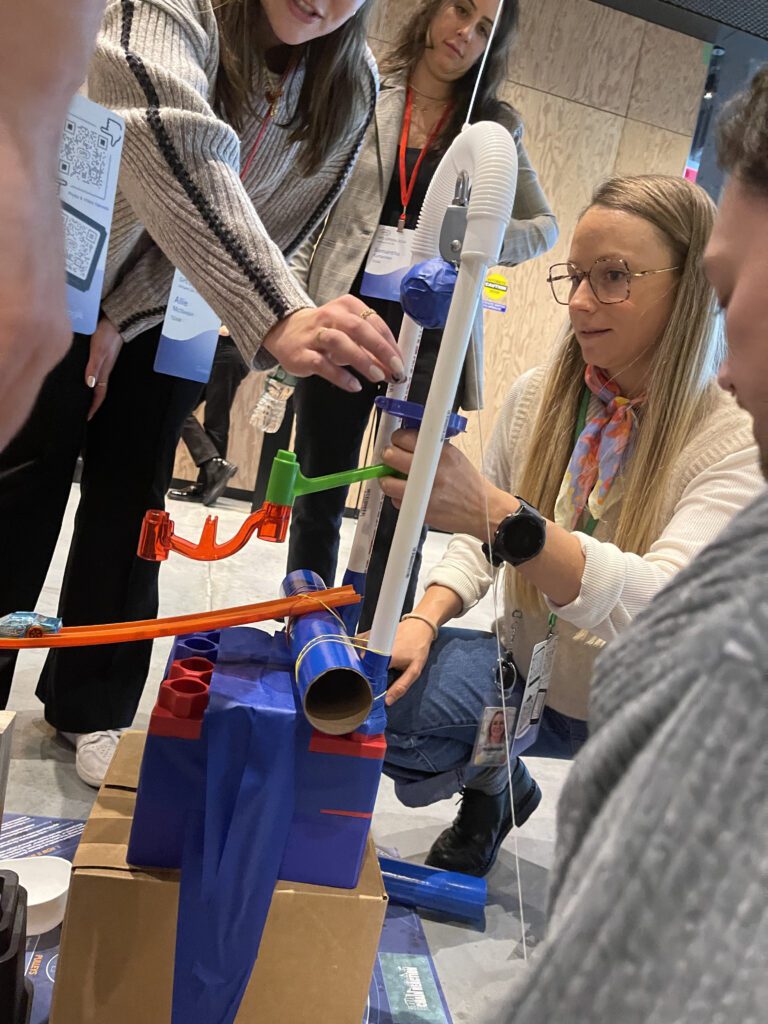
column 327, row 263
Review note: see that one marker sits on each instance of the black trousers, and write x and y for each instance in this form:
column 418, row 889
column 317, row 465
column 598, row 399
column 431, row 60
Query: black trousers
column 330, row 425
column 128, row 450
column 211, row 438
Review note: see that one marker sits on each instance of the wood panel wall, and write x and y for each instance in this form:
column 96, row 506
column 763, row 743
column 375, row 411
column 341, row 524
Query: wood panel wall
column 600, row 93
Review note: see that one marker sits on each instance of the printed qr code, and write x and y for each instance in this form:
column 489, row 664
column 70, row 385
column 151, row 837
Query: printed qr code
column 84, row 240
column 84, row 157
column 81, row 241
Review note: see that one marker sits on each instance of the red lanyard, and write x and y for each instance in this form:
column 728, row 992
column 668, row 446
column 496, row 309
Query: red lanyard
column 406, row 190
column 267, row 119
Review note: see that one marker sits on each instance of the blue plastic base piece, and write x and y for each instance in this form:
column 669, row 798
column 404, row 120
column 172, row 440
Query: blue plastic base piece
column 194, row 645
column 411, row 415
column 445, row 892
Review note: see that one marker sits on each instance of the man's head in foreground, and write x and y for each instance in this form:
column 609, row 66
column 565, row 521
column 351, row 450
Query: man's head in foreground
column 737, row 256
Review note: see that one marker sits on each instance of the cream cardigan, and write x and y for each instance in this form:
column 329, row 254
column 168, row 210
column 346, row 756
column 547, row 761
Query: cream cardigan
column 716, row 475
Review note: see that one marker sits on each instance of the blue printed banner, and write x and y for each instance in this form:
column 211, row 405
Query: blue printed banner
column 25, row 836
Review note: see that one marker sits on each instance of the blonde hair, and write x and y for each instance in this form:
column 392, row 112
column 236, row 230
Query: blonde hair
column 681, row 385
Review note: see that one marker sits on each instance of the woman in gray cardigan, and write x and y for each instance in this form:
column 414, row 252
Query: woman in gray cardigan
column 427, row 80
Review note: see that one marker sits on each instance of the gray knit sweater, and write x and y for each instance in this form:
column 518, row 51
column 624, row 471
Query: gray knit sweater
column 659, row 898
column 180, row 201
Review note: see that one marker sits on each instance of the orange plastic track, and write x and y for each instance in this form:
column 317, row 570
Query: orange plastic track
column 151, row 629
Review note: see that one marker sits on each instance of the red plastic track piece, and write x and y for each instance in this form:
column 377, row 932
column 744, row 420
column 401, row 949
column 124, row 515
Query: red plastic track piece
column 270, row 522
column 201, row 622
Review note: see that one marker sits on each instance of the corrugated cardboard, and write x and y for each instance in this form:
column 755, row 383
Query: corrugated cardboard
column 116, row 962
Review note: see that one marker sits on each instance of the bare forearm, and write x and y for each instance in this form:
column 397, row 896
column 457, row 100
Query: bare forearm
column 439, row 605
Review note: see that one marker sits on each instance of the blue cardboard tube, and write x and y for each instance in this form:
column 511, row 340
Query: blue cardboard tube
column 447, row 892
column 333, row 687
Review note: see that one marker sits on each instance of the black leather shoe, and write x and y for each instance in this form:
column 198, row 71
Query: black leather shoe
column 192, row 492
column 218, row 472
column 472, row 842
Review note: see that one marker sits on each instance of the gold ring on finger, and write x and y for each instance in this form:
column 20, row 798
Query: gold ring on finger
column 320, row 334
column 366, row 313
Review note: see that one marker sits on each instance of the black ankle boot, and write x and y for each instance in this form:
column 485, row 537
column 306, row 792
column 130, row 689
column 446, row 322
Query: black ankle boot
column 218, row 472
column 472, row 842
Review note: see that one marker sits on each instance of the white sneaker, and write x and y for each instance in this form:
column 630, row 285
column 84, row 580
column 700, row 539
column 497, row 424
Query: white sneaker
column 93, row 753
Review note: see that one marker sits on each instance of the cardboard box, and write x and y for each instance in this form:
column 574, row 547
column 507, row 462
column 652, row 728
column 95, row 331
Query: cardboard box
column 117, row 949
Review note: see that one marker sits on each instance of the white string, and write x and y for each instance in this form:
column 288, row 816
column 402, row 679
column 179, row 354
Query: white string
column 483, row 61
column 499, row 655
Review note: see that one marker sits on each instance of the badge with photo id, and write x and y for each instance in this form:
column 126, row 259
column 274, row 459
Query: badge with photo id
column 524, row 700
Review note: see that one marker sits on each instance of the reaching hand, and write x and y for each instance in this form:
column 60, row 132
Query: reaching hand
column 413, row 642
column 341, row 333
column 462, row 500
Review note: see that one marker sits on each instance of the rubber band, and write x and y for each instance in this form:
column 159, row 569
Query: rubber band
column 313, row 596
column 356, row 643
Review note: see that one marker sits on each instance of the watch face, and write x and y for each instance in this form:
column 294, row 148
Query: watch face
column 522, row 536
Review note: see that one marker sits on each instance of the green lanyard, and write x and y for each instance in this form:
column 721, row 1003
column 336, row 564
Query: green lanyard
column 591, row 523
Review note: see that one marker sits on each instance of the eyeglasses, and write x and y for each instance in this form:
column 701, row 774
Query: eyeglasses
column 609, row 278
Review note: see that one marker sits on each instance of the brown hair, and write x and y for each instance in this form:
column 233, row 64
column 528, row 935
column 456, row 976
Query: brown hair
column 414, row 39
column 681, row 385
column 742, row 136
column 332, row 101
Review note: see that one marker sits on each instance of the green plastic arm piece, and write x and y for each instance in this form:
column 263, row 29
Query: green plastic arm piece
column 287, row 482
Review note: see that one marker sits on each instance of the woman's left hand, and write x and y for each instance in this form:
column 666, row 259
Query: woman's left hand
column 462, row 501
column 106, row 344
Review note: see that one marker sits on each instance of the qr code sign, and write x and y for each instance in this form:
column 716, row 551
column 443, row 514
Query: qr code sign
column 81, row 241
column 84, row 240
column 84, row 157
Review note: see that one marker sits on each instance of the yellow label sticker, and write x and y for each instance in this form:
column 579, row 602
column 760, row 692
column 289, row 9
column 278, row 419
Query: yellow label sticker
column 495, row 293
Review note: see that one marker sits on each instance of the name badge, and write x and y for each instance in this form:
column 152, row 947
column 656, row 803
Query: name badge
column 88, row 166
column 515, row 727
column 389, row 257
column 189, row 336
column 535, row 694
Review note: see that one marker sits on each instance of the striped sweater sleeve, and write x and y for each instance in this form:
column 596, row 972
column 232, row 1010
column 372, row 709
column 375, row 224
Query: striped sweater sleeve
column 180, row 169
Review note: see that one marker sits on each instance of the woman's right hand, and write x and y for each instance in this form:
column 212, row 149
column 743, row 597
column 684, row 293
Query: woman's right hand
column 324, row 340
column 413, row 642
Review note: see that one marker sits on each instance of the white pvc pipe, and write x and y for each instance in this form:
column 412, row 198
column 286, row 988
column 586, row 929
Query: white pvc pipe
column 487, row 152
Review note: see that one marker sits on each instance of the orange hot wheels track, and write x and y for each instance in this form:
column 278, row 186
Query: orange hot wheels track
column 151, row 629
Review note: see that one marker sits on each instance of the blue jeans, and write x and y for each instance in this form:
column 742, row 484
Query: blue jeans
column 431, row 729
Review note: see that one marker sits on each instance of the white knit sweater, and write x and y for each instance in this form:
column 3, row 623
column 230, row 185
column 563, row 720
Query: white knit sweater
column 180, row 200
column 716, row 475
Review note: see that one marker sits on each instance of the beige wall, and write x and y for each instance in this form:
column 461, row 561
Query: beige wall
column 600, row 93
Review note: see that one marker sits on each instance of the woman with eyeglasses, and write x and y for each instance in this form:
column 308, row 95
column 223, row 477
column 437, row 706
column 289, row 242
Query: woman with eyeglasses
column 609, row 469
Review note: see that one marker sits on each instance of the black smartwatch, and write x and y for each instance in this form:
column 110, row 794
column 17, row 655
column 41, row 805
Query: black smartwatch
column 519, row 537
